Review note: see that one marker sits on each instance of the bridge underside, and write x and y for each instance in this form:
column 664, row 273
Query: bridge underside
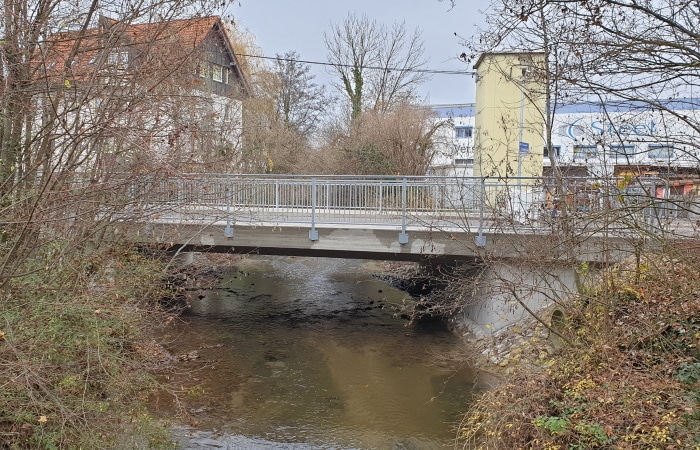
column 355, row 243
column 358, row 242
column 532, row 263
column 316, row 253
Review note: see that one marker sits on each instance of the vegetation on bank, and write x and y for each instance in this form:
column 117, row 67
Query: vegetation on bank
column 629, row 379
column 71, row 372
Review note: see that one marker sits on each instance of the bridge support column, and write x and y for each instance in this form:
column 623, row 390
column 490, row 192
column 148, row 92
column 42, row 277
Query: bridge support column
column 508, row 291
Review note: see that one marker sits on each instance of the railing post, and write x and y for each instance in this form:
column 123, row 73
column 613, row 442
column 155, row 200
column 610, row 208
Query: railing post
column 313, row 232
column 277, row 194
column 658, row 211
column 403, row 237
column 480, row 238
column 436, row 194
column 228, row 232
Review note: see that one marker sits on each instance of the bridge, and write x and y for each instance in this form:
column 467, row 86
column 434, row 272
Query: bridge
column 531, row 234
column 399, row 218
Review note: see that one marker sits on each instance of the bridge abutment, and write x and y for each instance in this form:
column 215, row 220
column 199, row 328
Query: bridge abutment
column 508, row 291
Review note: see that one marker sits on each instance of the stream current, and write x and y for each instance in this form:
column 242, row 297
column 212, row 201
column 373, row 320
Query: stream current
column 312, row 353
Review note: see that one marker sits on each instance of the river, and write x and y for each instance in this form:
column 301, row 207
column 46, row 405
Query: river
column 312, row 353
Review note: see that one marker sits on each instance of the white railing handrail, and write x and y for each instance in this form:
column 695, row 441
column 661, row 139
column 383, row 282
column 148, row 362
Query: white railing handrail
column 399, row 201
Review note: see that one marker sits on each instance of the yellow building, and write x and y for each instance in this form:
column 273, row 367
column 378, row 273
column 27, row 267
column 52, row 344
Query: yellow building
column 509, row 122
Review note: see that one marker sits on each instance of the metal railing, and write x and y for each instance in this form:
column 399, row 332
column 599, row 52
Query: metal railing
column 402, row 202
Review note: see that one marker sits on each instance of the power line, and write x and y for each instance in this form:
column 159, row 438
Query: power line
column 390, row 69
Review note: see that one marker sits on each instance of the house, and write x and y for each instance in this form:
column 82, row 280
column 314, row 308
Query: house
column 141, row 96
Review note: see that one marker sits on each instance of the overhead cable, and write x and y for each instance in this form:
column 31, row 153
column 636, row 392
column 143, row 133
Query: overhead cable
column 390, row 69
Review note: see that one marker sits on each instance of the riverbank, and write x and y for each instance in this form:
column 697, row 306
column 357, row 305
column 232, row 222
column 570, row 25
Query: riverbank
column 628, row 376
column 69, row 351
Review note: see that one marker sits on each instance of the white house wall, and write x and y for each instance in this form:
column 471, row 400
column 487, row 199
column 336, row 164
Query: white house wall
column 454, row 155
column 102, row 126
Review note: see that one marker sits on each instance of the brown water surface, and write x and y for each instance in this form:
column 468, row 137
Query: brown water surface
column 303, row 353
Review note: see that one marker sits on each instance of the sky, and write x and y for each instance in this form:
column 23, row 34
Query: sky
column 283, row 25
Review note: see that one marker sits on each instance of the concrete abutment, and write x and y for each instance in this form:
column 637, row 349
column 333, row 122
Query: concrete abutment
column 508, row 291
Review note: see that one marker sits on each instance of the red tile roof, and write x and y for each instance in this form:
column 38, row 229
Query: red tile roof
column 82, row 54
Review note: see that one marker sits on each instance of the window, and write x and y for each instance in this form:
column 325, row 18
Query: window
column 119, row 59
column 555, row 153
column 463, row 132
column 585, row 151
column 622, row 151
column 217, row 73
column 464, row 161
column 661, row 151
column 228, row 113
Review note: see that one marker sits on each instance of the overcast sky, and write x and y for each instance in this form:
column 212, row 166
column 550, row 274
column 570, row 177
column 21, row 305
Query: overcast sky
column 283, row 25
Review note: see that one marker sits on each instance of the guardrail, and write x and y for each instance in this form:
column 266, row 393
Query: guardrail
column 404, row 201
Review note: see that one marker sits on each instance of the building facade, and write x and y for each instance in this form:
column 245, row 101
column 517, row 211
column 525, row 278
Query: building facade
column 147, row 96
column 611, row 139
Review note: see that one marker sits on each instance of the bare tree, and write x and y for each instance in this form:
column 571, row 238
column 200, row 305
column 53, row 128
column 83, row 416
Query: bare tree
column 607, row 52
column 631, row 59
column 300, row 103
column 93, row 111
column 377, row 66
column 282, row 117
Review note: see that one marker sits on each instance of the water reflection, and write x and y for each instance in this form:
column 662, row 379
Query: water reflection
column 310, row 353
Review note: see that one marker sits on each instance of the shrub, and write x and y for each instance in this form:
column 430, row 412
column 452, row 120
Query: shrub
column 630, row 379
column 71, row 376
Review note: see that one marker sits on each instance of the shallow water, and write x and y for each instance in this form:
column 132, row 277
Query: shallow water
column 303, row 353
